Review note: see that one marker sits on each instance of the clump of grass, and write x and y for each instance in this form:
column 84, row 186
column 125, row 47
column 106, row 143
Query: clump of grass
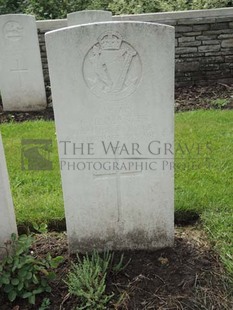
column 219, row 103
column 87, row 280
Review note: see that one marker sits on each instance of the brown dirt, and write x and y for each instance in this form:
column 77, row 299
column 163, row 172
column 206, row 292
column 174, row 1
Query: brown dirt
column 198, row 97
column 188, row 276
column 7, row 117
column 187, row 98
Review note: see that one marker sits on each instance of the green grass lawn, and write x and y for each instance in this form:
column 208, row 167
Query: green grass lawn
column 203, row 174
column 37, row 194
column 208, row 190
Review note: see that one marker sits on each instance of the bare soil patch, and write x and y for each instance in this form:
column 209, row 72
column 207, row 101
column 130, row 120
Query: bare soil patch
column 203, row 97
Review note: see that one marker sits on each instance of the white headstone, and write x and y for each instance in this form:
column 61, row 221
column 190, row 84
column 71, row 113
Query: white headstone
column 115, row 82
column 7, row 215
column 88, row 16
column 21, row 78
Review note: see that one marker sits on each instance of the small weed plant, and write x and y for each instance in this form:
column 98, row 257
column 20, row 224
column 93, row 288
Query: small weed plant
column 41, row 228
column 45, row 304
column 24, row 275
column 219, row 103
column 87, row 280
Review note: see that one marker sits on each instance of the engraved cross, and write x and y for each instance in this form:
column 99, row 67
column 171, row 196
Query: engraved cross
column 117, row 175
column 19, row 71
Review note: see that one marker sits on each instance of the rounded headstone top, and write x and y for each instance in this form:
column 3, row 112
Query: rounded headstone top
column 88, row 16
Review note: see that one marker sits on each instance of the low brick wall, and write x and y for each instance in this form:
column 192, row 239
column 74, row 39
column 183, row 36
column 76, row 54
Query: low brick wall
column 204, row 43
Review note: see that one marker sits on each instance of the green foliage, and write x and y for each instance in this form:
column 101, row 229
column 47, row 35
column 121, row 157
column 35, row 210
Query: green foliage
column 45, row 304
column 52, row 9
column 87, row 280
column 209, row 4
column 24, row 275
column 41, row 228
column 182, row 5
column 46, row 9
column 10, row 6
column 43, row 9
column 219, row 103
column 94, row 5
column 175, row 5
column 134, row 6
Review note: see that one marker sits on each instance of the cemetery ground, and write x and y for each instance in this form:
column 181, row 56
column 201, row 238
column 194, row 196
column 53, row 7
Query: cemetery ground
column 197, row 273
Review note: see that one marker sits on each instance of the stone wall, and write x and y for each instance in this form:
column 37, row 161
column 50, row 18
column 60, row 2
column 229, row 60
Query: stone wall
column 204, row 43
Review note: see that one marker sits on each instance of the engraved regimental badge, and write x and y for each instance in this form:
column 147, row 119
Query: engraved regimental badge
column 112, row 67
column 13, row 31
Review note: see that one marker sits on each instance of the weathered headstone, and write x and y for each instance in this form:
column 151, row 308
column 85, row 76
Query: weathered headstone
column 7, row 215
column 88, row 16
column 21, row 78
column 112, row 86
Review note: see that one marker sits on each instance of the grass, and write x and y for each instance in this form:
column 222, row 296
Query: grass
column 203, row 174
column 37, row 194
column 208, row 190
